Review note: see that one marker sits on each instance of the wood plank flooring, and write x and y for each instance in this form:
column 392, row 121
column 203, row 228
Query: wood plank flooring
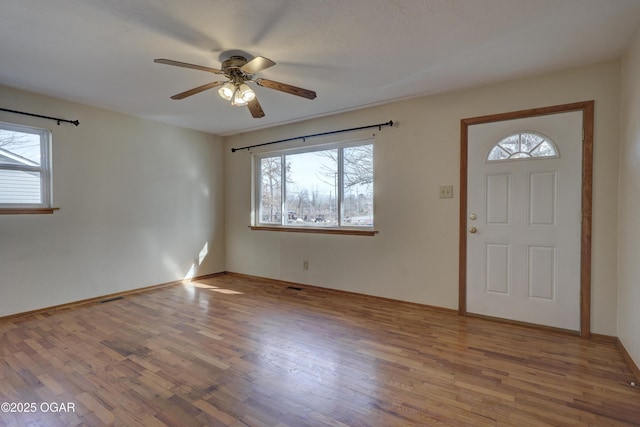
column 237, row 351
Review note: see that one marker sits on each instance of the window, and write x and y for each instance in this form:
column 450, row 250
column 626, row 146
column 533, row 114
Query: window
column 523, row 145
column 25, row 173
column 323, row 187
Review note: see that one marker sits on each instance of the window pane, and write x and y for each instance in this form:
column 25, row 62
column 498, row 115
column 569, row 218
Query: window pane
column 544, row 150
column 20, row 187
column 511, row 144
column 19, row 148
column 271, row 190
column 24, row 166
column 357, row 190
column 329, row 186
column 529, row 141
column 525, row 145
column 312, row 183
column 497, row 153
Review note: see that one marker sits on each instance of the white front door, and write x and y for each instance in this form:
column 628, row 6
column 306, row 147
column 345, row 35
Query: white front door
column 523, row 220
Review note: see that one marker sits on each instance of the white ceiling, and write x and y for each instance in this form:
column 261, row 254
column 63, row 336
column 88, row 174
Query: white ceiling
column 353, row 53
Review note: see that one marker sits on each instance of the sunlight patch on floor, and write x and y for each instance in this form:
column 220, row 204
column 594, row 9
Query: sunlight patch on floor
column 211, row 288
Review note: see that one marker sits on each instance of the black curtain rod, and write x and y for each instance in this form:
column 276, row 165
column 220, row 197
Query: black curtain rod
column 73, row 122
column 379, row 126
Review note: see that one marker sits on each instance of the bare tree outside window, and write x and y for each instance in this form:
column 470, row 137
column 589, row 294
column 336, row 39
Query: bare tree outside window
column 358, row 185
column 357, row 182
column 19, row 147
column 310, row 201
column 271, row 189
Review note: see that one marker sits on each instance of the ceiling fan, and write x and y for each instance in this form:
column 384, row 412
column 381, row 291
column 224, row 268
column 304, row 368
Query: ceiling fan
column 239, row 72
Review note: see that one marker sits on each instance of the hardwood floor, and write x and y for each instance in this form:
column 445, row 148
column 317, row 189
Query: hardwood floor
column 237, row 351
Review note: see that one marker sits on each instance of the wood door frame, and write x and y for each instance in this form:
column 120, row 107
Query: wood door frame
column 587, row 108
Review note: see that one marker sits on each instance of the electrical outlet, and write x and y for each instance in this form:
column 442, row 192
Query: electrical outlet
column 305, row 265
column 446, row 191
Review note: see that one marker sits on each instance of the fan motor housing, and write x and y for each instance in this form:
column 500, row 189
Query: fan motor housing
column 235, row 62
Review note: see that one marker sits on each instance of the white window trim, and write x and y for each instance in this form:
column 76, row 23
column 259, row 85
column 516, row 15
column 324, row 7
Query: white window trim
column 44, row 169
column 339, row 229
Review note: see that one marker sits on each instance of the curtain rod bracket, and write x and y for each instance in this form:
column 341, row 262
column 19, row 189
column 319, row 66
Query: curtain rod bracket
column 304, row 137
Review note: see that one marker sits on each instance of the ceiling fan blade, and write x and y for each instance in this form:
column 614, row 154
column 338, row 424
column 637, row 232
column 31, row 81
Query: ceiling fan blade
column 258, row 63
column 283, row 87
column 186, row 65
column 198, row 89
column 255, row 108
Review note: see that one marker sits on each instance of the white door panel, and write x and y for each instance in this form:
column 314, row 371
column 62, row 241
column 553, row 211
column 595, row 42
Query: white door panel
column 542, row 198
column 498, row 200
column 523, row 261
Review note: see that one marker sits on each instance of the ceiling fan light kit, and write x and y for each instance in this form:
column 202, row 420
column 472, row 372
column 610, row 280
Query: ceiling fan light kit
column 226, row 91
column 243, row 95
column 239, row 72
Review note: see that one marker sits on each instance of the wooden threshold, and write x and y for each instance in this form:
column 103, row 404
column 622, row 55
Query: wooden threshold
column 524, row 324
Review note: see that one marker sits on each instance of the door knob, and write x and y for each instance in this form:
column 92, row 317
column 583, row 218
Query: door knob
column 473, row 230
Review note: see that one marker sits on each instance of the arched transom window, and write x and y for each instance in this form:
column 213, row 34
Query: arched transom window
column 523, row 145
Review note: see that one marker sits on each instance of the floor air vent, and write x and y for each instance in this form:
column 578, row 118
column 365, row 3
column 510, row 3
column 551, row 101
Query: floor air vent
column 110, row 299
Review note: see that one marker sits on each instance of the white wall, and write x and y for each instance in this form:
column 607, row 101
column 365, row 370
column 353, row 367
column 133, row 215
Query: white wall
column 629, row 206
column 415, row 255
column 138, row 201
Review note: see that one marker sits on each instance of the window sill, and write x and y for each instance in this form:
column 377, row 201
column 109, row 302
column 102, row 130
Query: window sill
column 314, row 230
column 27, row 211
